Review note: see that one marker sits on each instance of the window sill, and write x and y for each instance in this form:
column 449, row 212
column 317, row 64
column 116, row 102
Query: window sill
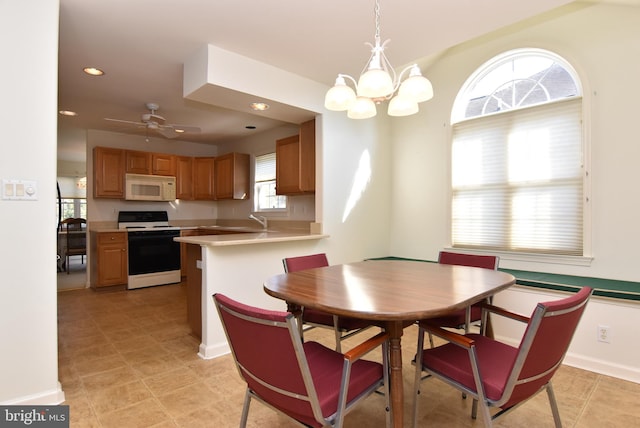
column 530, row 257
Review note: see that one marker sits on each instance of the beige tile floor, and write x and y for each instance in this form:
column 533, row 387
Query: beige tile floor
column 126, row 359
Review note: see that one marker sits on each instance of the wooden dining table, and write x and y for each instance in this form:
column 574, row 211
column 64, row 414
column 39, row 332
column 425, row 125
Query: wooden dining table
column 390, row 293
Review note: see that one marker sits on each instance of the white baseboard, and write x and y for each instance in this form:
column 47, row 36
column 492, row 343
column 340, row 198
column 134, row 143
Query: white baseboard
column 209, row 352
column 583, row 362
column 631, row 374
column 44, row 398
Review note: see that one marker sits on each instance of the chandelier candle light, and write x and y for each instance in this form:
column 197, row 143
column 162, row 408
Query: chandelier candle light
column 379, row 82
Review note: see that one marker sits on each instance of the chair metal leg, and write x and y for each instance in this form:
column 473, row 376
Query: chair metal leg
column 418, row 376
column 245, row 408
column 338, row 334
column 554, row 405
column 486, row 415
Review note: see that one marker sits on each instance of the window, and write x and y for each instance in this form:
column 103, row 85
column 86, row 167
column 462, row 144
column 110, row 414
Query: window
column 265, row 191
column 73, row 201
column 73, row 208
column 517, row 157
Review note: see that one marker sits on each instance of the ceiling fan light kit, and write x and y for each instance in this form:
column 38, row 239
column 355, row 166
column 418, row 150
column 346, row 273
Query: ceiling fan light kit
column 156, row 123
column 378, row 82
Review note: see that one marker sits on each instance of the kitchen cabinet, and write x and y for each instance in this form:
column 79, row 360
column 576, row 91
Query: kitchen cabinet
column 183, row 249
column 108, row 172
column 194, row 289
column 138, row 162
column 203, row 178
column 184, row 177
column 109, row 266
column 232, row 176
column 163, row 164
column 296, row 162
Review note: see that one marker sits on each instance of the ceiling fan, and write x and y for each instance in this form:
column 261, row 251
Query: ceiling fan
column 154, row 122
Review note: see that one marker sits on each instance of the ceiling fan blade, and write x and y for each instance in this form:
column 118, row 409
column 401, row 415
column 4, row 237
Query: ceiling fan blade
column 185, row 128
column 166, row 132
column 128, row 122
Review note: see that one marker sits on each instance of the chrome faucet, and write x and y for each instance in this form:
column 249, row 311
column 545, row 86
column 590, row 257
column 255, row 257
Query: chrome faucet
column 260, row 219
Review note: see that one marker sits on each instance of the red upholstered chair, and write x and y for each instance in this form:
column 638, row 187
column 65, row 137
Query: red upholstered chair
column 464, row 318
column 308, row 382
column 499, row 375
column 343, row 327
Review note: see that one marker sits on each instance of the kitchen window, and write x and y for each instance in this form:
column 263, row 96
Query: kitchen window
column 72, row 198
column 517, row 162
column 266, row 199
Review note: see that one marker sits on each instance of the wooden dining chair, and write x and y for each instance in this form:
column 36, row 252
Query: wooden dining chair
column 307, row 382
column 76, row 239
column 499, row 375
column 343, row 327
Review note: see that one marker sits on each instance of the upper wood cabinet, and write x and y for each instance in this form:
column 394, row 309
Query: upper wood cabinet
column 163, row 164
column 232, row 176
column 184, row 177
column 138, row 162
column 296, row 162
column 203, row 176
column 108, row 172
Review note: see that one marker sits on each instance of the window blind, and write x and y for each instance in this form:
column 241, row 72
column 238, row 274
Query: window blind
column 266, row 167
column 517, row 180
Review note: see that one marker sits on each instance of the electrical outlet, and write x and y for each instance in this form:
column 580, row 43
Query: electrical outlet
column 604, row 334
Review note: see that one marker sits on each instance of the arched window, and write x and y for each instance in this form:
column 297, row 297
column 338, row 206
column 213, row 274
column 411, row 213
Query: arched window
column 517, row 157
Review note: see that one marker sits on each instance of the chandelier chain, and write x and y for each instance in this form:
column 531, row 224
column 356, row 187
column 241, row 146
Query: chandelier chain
column 377, row 15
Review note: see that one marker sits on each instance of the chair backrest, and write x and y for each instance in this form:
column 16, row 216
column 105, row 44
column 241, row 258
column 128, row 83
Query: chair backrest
column 76, row 235
column 472, row 260
column 294, row 264
column 74, row 223
column 544, row 345
column 268, row 352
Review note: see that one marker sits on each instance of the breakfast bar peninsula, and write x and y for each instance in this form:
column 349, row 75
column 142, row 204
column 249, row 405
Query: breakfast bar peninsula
column 236, row 263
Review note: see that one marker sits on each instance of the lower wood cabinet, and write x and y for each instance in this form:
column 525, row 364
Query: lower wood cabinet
column 109, row 262
column 194, row 289
column 183, row 249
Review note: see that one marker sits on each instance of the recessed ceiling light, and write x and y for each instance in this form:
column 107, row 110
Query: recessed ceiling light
column 259, row 106
column 180, row 131
column 93, row 71
column 68, row 113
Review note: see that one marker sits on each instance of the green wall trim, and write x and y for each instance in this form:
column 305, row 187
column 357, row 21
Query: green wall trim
column 616, row 289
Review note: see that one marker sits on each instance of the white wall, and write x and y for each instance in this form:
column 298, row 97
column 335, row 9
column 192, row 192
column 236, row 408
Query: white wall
column 601, row 42
column 28, row 333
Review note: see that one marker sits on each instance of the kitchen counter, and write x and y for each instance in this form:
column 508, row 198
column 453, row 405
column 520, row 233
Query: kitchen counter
column 245, row 236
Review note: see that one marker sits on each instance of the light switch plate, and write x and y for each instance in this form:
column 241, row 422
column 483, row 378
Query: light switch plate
column 19, row 190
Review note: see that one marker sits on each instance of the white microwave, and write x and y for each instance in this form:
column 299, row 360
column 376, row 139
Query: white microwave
column 140, row 187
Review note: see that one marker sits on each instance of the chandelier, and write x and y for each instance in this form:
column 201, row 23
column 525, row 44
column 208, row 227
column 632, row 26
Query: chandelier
column 378, row 82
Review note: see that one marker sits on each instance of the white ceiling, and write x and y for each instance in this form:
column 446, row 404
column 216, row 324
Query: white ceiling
column 142, row 45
